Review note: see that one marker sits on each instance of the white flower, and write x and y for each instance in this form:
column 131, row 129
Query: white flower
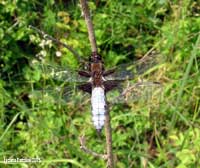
column 42, row 43
column 34, row 61
column 43, row 53
column 58, row 53
column 48, row 43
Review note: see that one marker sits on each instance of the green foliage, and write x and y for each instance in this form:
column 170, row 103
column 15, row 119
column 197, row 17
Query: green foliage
column 158, row 133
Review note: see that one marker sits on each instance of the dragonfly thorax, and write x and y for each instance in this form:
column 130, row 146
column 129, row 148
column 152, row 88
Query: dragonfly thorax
column 97, row 72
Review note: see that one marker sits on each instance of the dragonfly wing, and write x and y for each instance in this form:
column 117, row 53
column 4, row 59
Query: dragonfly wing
column 58, row 95
column 86, row 87
column 110, row 84
column 131, row 70
column 141, row 91
column 59, row 73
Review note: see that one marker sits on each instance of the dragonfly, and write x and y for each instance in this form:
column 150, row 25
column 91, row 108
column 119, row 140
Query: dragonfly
column 98, row 82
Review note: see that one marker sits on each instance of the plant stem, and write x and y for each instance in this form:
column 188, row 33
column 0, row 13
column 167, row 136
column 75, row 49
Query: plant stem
column 88, row 21
column 108, row 130
column 185, row 80
column 89, row 151
column 47, row 36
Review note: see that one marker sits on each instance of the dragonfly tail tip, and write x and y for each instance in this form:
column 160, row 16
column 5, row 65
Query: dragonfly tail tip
column 99, row 132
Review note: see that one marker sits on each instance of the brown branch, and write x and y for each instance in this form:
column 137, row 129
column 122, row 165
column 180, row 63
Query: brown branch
column 86, row 150
column 47, row 36
column 88, row 21
column 108, row 132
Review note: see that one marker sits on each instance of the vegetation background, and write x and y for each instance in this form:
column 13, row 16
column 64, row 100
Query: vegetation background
column 164, row 134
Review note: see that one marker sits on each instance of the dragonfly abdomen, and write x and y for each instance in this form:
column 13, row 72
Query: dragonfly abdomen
column 98, row 107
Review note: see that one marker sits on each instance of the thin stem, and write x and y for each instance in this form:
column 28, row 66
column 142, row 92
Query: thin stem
column 89, row 151
column 88, row 21
column 108, row 132
column 47, row 36
column 185, row 80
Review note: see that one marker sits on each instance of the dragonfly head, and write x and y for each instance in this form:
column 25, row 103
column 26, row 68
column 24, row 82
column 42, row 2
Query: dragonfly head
column 95, row 58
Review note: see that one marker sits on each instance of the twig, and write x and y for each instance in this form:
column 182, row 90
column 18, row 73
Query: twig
column 108, row 132
column 147, row 54
column 47, row 36
column 145, row 57
column 85, row 149
column 88, row 21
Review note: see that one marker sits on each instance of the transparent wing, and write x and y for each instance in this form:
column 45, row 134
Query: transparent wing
column 63, row 74
column 131, row 93
column 130, row 70
column 59, row 95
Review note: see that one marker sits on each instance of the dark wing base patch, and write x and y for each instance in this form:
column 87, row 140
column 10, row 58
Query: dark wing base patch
column 110, row 84
column 87, row 87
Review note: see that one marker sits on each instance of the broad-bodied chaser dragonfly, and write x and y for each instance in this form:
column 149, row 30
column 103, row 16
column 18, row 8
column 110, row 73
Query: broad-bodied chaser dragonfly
column 98, row 82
